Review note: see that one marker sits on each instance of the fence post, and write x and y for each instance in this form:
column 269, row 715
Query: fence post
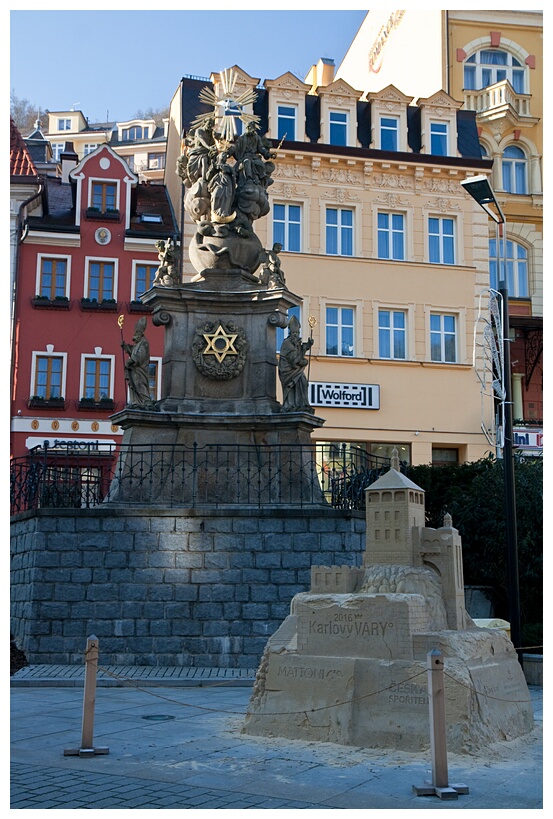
column 89, row 700
column 439, row 785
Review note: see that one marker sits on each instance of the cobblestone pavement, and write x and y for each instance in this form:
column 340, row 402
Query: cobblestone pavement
column 180, row 747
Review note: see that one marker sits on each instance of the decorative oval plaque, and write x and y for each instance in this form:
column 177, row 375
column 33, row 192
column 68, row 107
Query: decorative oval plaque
column 219, row 349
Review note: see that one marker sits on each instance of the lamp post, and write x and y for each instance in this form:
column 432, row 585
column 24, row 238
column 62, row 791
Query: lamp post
column 480, row 190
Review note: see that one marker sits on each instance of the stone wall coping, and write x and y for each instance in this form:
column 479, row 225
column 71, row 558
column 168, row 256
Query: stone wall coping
column 275, row 511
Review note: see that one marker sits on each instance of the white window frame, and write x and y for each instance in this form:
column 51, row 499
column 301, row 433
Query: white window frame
column 64, row 124
column 391, row 330
column 49, row 352
column 57, row 150
column 443, row 313
column 67, row 259
column 135, row 264
column 293, row 106
column 432, row 132
column 382, row 116
column 511, row 162
column 87, row 262
column 341, row 306
column 287, row 222
column 354, row 228
column 391, row 213
column 409, row 310
column 89, row 147
column 97, row 354
column 344, row 125
column 514, row 262
column 156, row 359
column 456, row 238
column 509, row 68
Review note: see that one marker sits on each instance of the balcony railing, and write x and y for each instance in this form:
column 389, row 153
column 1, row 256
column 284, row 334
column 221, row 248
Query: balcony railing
column 216, row 475
column 498, row 96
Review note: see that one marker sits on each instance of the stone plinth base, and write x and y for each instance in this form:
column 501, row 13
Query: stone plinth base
column 166, row 587
column 351, row 669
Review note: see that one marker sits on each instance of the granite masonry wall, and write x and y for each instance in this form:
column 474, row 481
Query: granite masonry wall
column 162, row 588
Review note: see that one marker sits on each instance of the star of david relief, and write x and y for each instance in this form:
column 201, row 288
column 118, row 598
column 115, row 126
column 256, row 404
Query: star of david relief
column 220, row 344
column 219, row 350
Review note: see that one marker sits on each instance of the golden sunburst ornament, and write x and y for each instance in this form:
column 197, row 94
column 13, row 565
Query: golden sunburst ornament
column 227, row 108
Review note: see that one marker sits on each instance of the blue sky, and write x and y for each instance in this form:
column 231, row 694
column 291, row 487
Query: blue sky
column 110, row 64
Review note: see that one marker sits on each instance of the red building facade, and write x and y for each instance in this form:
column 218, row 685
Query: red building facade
column 83, row 262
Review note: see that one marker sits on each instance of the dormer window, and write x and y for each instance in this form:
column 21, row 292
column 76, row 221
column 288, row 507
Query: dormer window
column 489, row 66
column 136, row 132
column 286, row 128
column 388, row 133
column 64, row 124
column 104, row 196
column 338, row 121
column 438, row 138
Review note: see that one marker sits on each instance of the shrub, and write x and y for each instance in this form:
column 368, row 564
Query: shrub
column 473, row 494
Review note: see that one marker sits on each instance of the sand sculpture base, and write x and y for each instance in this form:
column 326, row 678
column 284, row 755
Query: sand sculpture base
column 351, row 668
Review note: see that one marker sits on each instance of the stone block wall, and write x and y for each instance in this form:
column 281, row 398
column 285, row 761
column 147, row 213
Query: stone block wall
column 162, row 588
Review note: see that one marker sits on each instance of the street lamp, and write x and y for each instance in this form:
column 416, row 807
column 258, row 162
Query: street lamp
column 480, row 190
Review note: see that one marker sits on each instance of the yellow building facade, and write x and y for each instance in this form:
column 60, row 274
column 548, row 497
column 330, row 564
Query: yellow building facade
column 392, row 360
column 492, row 61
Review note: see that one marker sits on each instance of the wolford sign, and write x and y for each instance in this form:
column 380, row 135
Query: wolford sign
column 355, row 396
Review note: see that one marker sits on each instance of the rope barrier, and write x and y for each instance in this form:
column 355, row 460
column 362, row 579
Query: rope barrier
column 229, row 684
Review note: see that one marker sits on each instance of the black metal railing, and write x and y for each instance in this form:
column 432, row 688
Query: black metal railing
column 213, row 475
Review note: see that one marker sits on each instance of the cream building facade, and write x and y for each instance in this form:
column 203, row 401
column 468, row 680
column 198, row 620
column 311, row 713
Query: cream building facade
column 491, row 61
column 140, row 141
column 378, row 243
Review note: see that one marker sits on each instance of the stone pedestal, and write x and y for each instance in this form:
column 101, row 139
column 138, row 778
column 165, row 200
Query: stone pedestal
column 219, row 425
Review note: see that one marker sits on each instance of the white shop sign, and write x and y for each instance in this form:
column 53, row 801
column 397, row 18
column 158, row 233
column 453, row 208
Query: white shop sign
column 355, row 396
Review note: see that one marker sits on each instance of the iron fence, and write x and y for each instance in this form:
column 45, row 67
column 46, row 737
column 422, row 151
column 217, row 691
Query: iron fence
column 213, row 475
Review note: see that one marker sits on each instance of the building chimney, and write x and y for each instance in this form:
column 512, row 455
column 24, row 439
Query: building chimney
column 69, row 160
column 321, row 74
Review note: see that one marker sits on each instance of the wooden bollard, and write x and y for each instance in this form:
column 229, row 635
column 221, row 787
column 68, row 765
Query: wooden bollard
column 439, row 786
column 89, row 700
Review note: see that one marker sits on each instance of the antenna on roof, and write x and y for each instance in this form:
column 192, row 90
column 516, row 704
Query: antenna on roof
column 74, row 104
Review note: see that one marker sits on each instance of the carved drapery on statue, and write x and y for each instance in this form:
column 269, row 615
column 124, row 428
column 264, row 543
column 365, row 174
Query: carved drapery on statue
column 291, row 369
column 226, row 176
column 137, row 368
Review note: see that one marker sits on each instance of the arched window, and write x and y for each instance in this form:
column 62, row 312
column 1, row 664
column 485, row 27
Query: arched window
column 489, row 66
column 513, row 169
column 517, row 268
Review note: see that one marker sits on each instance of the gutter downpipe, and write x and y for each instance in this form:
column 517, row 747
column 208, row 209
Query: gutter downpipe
column 21, row 235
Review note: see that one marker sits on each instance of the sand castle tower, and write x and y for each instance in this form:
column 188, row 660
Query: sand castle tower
column 348, row 664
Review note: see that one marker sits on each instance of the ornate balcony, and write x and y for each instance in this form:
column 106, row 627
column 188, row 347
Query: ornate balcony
column 500, row 100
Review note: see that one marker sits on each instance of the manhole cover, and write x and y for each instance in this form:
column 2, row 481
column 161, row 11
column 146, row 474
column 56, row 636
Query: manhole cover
column 158, row 717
